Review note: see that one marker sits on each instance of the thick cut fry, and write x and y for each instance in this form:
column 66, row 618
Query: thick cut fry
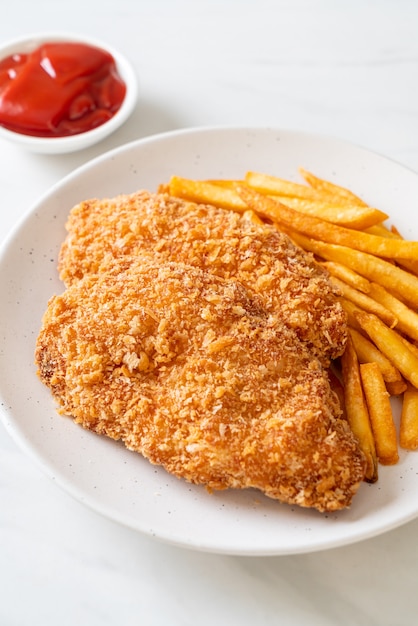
column 380, row 413
column 393, row 233
column 324, row 231
column 366, row 303
column 407, row 318
column 206, row 193
column 273, row 185
column 397, row 388
column 356, row 409
column 347, row 275
column 394, row 382
column 350, row 309
column 224, row 182
column 382, row 231
column 391, row 344
column 367, row 352
column 411, row 266
column 357, row 217
column 408, row 428
column 395, row 279
column 252, row 217
column 278, row 186
column 409, row 345
column 326, row 186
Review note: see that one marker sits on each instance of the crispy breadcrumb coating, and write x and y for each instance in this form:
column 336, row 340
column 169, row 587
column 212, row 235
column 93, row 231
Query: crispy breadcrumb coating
column 225, row 243
column 192, row 371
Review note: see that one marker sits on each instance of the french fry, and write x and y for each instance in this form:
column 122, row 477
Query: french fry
column 380, row 413
column 325, row 231
column 209, row 192
column 408, row 427
column 409, row 345
column 224, row 182
column 347, row 275
column 407, row 318
column 356, row 217
column 206, row 193
column 252, row 217
column 320, row 184
column 391, row 344
column 393, row 233
column 396, row 388
column 411, row 266
column 356, row 410
column 278, row 186
column 395, row 279
column 382, row 231
column 364, row 302
column 350, row 309
column 273, row 185
column 367, row 352
column 395, row 384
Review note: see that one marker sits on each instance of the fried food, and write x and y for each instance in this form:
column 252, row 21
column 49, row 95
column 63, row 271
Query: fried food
column 408, row 428
column 356, row 409
column 380, row 413
column 377, row 282
column 319, row 229
column 396, row 280
column 222, row 193
column 192, row 371
column 289, row 281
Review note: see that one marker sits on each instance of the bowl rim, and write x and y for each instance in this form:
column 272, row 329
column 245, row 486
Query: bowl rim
column 29, row 42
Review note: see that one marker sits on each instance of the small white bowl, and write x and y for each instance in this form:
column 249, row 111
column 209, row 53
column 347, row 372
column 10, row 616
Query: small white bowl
column 72, row 143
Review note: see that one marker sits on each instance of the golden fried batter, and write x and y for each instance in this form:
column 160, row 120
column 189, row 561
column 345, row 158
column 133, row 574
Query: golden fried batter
column 192, row 371
column 225, row 243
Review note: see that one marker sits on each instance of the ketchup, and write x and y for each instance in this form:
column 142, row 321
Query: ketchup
column 59, row 89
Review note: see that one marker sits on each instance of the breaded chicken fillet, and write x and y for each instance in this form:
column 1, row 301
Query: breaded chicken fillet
column 225, row 243
column 192, row 371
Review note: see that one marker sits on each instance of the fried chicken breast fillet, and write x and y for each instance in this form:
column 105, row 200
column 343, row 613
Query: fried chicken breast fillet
column 222, row 242
column 190, row 370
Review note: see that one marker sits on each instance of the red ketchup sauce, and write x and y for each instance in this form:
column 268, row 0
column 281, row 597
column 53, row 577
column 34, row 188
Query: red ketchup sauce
column 59, row 89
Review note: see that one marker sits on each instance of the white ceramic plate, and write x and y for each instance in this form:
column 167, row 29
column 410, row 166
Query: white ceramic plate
column 103, row 474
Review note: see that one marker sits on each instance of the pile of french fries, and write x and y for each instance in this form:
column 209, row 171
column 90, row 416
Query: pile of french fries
column 376, row 272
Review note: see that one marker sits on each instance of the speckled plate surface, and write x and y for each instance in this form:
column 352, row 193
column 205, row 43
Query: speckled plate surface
column 103, row 474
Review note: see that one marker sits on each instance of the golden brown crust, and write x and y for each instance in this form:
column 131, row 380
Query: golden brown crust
column 225, row 243
column 193, row 372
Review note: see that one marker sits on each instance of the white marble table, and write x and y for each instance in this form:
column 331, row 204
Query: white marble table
column 346, row 69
